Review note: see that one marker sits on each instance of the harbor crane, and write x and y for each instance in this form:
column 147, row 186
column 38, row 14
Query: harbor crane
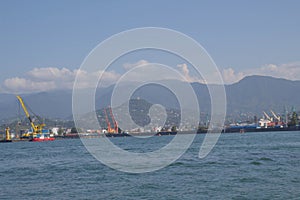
column 267, row 116
column 116, row 129
column 109, row 128
column 276, row 117
column 37, row 129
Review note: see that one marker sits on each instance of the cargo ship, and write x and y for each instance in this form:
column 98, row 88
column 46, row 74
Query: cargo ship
column 265, row 124
column 245, row 129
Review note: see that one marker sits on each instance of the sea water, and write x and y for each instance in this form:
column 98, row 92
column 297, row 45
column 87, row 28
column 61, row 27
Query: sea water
column 241, row 166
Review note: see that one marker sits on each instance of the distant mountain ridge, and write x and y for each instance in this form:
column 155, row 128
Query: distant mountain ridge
column 258, row 93
column 252, row 94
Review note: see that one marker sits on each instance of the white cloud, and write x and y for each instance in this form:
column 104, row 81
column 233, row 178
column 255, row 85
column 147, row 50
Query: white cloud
column 50, row 73
column 51, row 78
column 230, row 76
column 129, row 66
column 139, row 75
column 290, row 71
column 183, row 68
column 17, row 84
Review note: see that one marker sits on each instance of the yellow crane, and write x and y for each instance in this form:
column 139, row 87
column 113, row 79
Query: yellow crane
column 37, row 129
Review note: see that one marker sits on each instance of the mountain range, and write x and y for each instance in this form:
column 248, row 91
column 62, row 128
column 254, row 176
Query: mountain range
column 253, row 94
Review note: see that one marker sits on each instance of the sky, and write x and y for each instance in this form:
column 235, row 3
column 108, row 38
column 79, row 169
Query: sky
column 43, row 43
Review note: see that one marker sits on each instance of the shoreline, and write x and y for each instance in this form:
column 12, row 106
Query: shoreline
column 150, row 134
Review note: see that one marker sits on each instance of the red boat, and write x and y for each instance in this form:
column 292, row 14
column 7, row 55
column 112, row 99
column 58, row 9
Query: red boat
column 38, row 139
column 42, row 138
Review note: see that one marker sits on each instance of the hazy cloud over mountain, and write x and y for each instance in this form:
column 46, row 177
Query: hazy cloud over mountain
column 52, row 78
column 290, row 71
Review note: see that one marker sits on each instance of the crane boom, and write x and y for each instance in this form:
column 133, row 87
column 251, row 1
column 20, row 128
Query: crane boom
column 114, row 121
column 36, row 128
column 268, row 117
column 278, row 118
column 115, row 129
column 109, row 129
column 26, row 112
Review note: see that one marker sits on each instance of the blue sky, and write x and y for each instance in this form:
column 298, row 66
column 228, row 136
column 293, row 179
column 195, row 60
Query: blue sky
column 243, row 36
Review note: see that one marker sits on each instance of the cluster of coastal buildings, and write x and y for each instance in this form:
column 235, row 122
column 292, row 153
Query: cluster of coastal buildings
column 269, row 122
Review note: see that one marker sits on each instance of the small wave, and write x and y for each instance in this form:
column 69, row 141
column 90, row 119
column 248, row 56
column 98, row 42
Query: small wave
column 211, row 163
column 255, row 163
column 177, row 164
column 247, row 180
column 149, row 186
column 266, row 159
column 295, row 180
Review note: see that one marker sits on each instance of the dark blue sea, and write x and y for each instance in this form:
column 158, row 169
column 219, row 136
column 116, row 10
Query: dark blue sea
column 241, row 166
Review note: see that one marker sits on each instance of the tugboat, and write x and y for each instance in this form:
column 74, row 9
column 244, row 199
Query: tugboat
column 41, row 139
column 45, row 136
column 165, row 131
